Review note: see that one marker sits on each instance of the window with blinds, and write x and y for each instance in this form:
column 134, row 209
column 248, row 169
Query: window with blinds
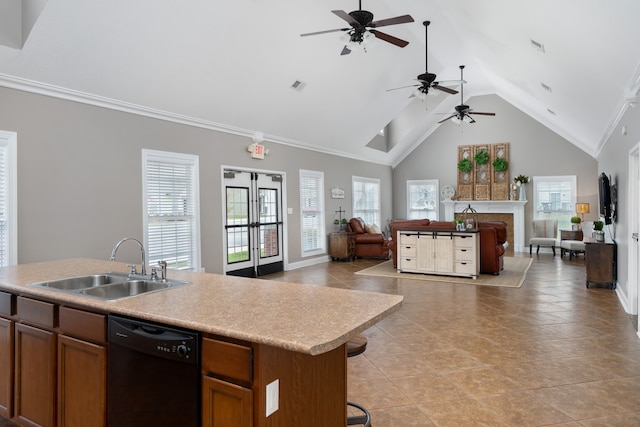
column 366, row 200
column 554, row 197
column 422, row 199
column 312, row 212
column 171, row 209
column 8, row 209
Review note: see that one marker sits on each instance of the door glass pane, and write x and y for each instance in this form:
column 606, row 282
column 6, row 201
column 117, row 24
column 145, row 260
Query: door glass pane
column 237, row 224
column 268, row 208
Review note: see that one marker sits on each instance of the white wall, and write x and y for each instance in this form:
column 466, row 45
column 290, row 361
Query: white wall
column 79, row 177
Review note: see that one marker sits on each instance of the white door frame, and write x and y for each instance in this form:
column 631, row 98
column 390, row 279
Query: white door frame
column 633, row 261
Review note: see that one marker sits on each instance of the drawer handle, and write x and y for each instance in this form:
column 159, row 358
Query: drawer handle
column 463, row 250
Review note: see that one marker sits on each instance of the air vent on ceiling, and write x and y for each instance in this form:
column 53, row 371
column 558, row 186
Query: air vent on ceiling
column 550, row 111
column 298, row 85
column 537, row 46
column 545, row 87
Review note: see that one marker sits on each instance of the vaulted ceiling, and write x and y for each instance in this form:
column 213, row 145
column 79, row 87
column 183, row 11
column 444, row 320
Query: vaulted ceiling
column 573, row 65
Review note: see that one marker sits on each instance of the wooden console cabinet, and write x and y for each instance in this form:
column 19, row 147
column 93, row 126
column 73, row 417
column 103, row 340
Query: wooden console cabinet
column 601, row 262
column 452, row 253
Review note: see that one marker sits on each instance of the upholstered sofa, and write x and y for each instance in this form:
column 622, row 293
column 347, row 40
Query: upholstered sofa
column 368, row 244
column 493, row 238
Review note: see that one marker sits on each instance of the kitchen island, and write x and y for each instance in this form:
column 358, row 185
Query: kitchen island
column 254, row 332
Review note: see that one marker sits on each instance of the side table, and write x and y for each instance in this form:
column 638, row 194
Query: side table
column 342, row 246
column 573, row 242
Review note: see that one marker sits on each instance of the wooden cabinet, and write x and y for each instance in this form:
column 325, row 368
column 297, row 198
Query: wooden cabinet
column 7, row 310
column 35, row 376
column 227, row 401
column 454, row 253
column 571, row 235
column 35, row 363
column 82, row 369
column 601, row 262
column 342, row 245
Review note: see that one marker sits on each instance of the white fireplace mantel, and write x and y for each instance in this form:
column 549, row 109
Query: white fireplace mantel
column 515, row 207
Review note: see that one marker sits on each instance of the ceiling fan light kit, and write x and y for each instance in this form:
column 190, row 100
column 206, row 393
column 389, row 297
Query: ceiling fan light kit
column 362, row 32
column 463, row 112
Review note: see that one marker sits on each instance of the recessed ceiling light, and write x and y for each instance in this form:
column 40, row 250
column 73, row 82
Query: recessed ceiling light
column 545, row 87
column 298, row 85
column 537, row 45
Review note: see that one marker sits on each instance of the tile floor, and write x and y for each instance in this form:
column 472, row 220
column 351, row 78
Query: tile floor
column 549, row 353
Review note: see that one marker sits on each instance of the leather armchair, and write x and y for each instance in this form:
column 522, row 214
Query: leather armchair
column 368, row 245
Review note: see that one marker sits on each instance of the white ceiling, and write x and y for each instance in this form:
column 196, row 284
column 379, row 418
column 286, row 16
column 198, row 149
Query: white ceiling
column 229, row 65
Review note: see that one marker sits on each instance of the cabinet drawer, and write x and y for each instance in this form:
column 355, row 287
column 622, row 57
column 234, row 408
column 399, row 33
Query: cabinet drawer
column 83, row 324
column 408, row 239
column 7, row 304
column 463, row 241
column 39, row 313
column 408, row 251
column 227, row 359
column 465, row 267
column 408, row 264
column 463, row 254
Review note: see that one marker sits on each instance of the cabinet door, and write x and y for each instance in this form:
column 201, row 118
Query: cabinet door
column 444, row 254
column 35, row 376
column 426, row 257
column 225, row 404
column 6, row 368
column 82, row 383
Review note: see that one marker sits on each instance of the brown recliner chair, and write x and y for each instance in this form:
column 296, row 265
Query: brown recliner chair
column 368, row 245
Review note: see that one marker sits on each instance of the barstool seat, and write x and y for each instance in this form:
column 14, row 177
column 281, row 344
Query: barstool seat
column 355, row 346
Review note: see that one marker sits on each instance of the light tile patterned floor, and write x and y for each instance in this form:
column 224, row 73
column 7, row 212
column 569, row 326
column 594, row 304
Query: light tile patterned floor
column 549, row 353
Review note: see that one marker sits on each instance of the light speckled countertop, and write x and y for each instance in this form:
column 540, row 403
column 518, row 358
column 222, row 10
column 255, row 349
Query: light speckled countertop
column 304, row 318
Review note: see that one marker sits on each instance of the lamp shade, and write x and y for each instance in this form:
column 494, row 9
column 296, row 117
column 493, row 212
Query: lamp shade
column 582, row 208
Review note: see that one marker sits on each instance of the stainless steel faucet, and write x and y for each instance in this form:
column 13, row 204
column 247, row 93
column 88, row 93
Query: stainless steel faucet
column 144, row 260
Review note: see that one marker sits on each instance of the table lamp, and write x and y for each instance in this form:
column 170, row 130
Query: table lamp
column 582, row 208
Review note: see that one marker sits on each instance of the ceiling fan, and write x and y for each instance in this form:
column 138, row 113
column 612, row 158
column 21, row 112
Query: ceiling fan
column 362, row 29
column 463, row 111
column 427, row 79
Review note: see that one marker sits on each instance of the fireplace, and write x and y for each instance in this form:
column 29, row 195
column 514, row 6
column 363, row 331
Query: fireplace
column 509, row 211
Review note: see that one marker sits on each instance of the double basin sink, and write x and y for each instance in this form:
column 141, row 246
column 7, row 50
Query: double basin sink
column 108, row 286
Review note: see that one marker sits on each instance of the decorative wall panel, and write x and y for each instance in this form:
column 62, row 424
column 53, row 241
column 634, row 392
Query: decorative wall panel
column 465, row 179
column 500, row 179
column 482, row 173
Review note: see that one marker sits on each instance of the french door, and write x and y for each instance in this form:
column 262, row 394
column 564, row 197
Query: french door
column 253, row 223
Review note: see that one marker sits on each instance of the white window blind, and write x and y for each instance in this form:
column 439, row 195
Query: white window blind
column 422, row 199
column 366, row 199
column 312, row 212
column 171, row 209
column 554, row 197
column 8, row 209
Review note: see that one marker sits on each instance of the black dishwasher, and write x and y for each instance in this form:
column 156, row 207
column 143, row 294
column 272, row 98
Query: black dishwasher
column 153, row 375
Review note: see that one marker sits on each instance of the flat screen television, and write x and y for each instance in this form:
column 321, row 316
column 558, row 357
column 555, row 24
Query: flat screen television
column 604, row 192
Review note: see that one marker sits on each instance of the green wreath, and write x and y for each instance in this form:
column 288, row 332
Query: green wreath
column 464, row 165
column 500, row 164
column 481, row 157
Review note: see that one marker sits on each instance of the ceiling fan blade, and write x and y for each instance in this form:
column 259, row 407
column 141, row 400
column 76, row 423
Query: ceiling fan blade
column 345, row 51
column 390, row 39
column 444, row 89
column 450, row 82
column 391, row 21
column 324, row 32
column 344, row 15
column 450, row 117
column 472, row 121
column 402, row 87
column 481, row 113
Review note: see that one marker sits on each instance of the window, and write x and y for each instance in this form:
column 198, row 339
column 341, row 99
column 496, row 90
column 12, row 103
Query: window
column 171, row 209
column 8, row 205
column 366, row 199
column 422, row 199
column 312, row 212
column 554, row 197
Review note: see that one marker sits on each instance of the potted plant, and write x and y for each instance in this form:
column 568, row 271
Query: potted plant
column 598, row 233
column 481, row 157
column 344, row 224
column 464, row 165
column 575, row 222
column 459, row 224
column 500, row 164
column 336, row 224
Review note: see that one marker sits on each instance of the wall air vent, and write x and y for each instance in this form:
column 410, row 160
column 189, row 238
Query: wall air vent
column 545, row 87
column 298, row 85
column 537, row 46
column 550, row 111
